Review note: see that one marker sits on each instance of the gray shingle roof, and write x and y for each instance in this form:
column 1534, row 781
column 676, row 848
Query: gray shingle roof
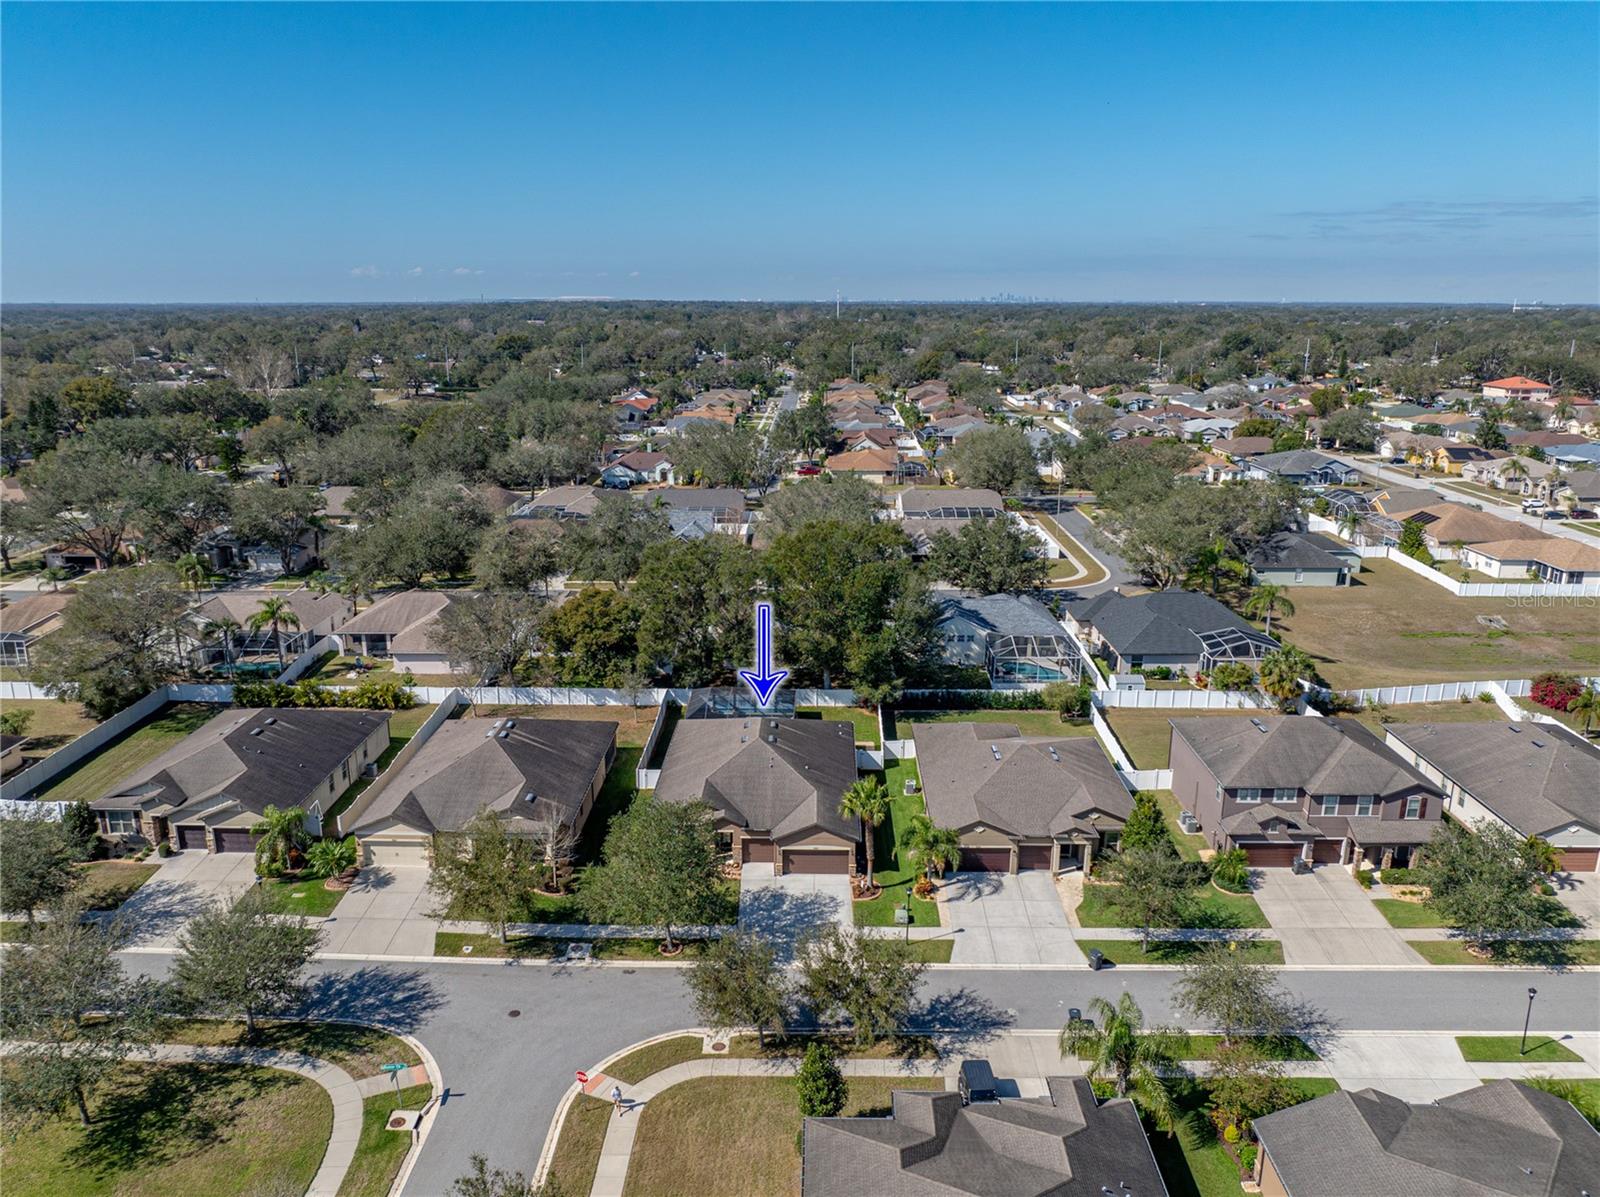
column 1321, row 756
column 930, row 501
column 1165, row 623
column 1501, row 1139
column 1535, row 777
column 1034, row 787
column 1294, row 550
column 540, row 768
column 406, row 617
column 1002, row 614
column 1294, row 461
column 249, row 758
column 772, row 776
column 1065, row 1145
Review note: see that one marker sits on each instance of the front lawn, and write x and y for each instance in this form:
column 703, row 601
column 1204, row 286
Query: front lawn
column 688, row 1135
column 295, row 895
column 360, row 1051
column 1029, row 723
column 577, row 1154
column 539, row 947
column 107, row 884
column 98, row 772
column 380, row 1151
column 1563, row 953
column 1406, row 915
column 565, row 908
column 866, row 721
column 893, row 874
column 1126, row 951
column 1504, row 1049
column 1213, row 908
column 165, row 1129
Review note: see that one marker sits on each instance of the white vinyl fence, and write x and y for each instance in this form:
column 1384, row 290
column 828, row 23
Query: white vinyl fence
column 1506, row 589
column 1438, row 691
column 447, row 705
column 58, row 762
column 1134, row 779
column 1183, row 700
column 302, row 664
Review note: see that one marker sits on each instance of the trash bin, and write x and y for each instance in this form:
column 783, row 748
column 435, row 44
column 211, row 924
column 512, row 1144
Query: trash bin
column 1302, row 865
column 1096, row 959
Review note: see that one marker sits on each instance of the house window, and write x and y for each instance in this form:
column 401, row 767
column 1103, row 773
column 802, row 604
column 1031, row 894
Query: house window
column 1299, row 575
column 1414, row 807
column 1285, row 797
column 724, row 843
column 1330, row 804
column 121, row 822
column 1364, row 805
column 1249, row 796
column 344, row 771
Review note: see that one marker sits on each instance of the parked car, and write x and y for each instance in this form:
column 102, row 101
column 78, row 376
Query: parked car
column 1555, row 514
column 809, row 471
column 1582, row 513
column 975, row 1082
column 1531, row 505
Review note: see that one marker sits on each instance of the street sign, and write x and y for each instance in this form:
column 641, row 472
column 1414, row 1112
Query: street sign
column 394, row 1070
column 583, row 1077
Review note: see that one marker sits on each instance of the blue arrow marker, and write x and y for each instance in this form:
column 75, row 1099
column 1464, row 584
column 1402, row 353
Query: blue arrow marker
column 763, row 680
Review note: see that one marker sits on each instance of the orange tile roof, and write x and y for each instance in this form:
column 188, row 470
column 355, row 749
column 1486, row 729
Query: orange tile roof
column 1518, row 382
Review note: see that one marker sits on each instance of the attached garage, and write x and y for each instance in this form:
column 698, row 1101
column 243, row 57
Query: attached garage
column 1271, row 856
column 1327, row 851
column 757, row 851
column 396, row 852
column 986, row 860
column 1580, row 860
column 1034, row 856
column 235, row 839
column 192, row 838
column 835, row 861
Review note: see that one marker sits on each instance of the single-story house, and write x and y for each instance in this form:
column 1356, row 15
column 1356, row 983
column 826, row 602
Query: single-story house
column 950, row 429
column 526, row 771
column 1576, row 456
column 26, row 621
column 399, row 627
column 1532, row 778
column 1584, row 485
column 931, row 1145
column 318, row 615
column 1556, row 559
column 1288, row 786
column 640, row 466
column 774, row 785
column 1398, row 502
column 1498, row 1139
column 1012, row 637
column 1209, row 429
column 1444, row 523
column 1020, row 802
column 207, row 791
column 944, row 503
column 560, row 503
column 1522, row 474
column 1182, row 629
column 1239, row 447
column 695, row 510
column 1302, row 559
column 1211, row 468
column 1543, row 439
column 884, row 466
column 1304, row 467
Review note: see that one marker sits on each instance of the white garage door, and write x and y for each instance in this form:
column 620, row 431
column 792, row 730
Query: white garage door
column 396, row 852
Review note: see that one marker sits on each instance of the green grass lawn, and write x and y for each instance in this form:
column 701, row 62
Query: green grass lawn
column 1146, row 736
column 1272, row 1047
column 577, row 1154
column 1193, row 1162
column 1504, row 1049
column 107, row 884
column 13, row 931
column 380, row 1151
column 1189, row 846
column 1213, row 909
column 1126, row 951
column 1076, row 556
column 132, row 750
column 359, row 1050
column 165, row 1129
column 633, row 1067
column 300, row 895
column 616, row 795
column 892, row 873
column 536, row 947
column 1430, row 712
column 53, row 724
column 1407, row 915
column 1558, row 954
column 403, row 725
column 866, row 721
column 1029, row 723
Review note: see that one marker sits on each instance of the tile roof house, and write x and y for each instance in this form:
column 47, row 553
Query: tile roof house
column 1516, row 387
column 1302, row 559
column 1182, row 629
column 209, row 789
column 523, row 770
column 1533, row 778
column 1287, row 786
column 1020, row 802
column 1011, row 637
column 399, row 627
column 26, row 621
column 1068, row 1144
column 1499, row 1139
column 774, row 785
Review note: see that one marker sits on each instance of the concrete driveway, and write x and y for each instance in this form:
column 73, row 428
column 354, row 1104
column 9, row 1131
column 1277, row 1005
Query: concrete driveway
column 185, row 884
column 385, row 913
column 784, row 909
column 1325, row 917
column 1580, row 893
column 1000, row 918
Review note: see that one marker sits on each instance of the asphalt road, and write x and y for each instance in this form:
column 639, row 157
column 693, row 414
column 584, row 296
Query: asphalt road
column 506, row 1074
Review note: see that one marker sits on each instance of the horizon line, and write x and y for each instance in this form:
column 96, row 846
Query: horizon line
column 1511, row 305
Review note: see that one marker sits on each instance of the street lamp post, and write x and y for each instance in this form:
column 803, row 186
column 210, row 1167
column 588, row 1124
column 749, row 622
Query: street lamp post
column 1527, row 1018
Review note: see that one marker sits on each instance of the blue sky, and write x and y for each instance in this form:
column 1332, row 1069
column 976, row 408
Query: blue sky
column 1076, row 152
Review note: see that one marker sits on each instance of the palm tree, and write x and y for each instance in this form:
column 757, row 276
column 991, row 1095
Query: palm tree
column 1282, row 670
column 1116, row 1047
column 934, row 848
column 1349, row 521
column 1513, row 469
column 283, row 835
column 224, row 629
column 1586, row 706
column 868, row 801
column 1265, row 599
column 277, row 613
column 193, row 571
column 1563, row 411
column 1214, row 561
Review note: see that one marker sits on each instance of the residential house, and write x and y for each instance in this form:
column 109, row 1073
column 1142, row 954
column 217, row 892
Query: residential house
column 1556, row 559
column 774, row 785
column 639, row 467
column 1515, row 388
column 1398, row 502
column 527, row 772
column 872, row 438
column 696, row 511
column 207, row 791
column 1498, row 1139
column 316, row 615
column 1581, row 457
column 1174, row 390
column 1452, row 459
column 1445, row 523
column 399, row 627
column 1136, row 425
column 11, row 758
column 1020, row 802
column 1242, row 447
column 1265, row 382
column 1209, row 429
column 1520, row 474
column 1210, row 468
column 560, row 503
column 635, row 407
column 26, row 621
column 1296, row 786
column 1302, row 559
column 1416, row 447
column 947, row 430
column 1011, row 637
column 1540, row 438
column 688, row 417
column 1455, row 424
column 1583, row 485
column 1531, row 778
column 944, row 503
column 336, row 505
column 1182, row 629
column 1067, row 1144
column 884, row 466
column 1304, row 467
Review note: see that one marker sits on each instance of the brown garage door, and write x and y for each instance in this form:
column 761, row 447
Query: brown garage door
column 756, row 851
column 986, row 860
column 1033, row 856
column 1581, row 860
column 829, row 861
column 235, row 839
column 1326, row 851
column 192, row 837
column 1271, row 856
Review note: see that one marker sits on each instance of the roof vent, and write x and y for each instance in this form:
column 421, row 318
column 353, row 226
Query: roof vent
column 489, row 735
column 256, row 731
column 497, row 724
column 1538, row 743
column 1053, row 755
column 510, row 723
column 529, row 796
column 1258, row 725
column 772, row 739
column 1514, row 730
column 271, row 719
column 505, row 735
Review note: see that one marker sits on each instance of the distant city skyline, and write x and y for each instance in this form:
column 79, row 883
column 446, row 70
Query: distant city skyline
column 1078, row 153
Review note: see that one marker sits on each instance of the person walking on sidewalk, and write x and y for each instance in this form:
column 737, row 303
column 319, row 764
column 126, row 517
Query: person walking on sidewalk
column 616, row 1098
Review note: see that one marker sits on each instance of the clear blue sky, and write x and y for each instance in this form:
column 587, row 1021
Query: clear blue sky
column 1122, row 152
